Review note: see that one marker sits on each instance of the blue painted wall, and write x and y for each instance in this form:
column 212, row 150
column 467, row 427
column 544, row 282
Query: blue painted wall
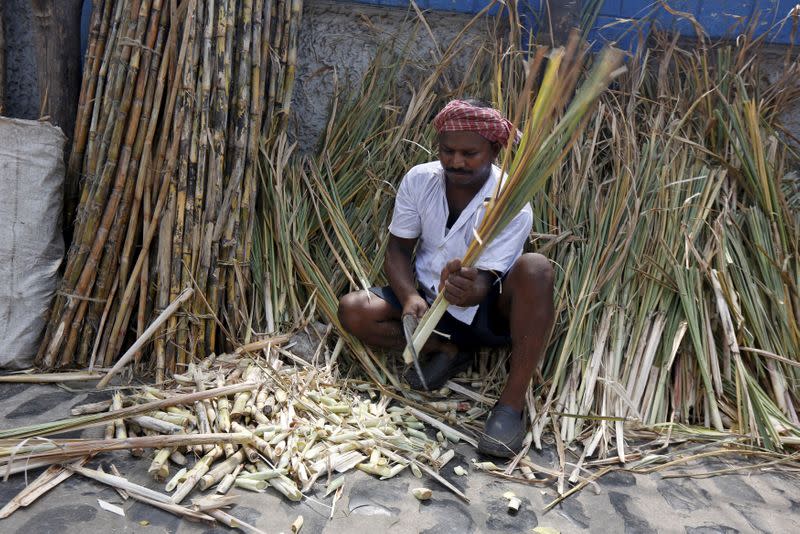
column 623, row 20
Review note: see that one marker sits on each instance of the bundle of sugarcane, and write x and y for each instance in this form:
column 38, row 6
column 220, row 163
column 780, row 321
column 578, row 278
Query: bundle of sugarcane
column 672, row 223
column 254, row 423
column 175, row 98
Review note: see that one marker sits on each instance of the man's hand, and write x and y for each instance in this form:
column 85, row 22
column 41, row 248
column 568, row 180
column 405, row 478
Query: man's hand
column 463, row 286
column 415, row 305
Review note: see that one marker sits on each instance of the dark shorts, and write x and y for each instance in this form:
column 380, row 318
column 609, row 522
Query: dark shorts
column 488, row 328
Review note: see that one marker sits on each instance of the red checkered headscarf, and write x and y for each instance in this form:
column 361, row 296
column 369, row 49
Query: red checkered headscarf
column 461, row 116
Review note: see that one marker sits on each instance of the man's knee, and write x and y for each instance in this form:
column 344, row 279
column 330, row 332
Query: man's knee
column 348, row 311
column 533, row 271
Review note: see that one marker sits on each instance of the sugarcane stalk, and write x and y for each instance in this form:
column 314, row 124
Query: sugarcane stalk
column 125, row 358
column 241, row 125
column 173, row 277
column 91, row 239
column 206, row 277
column 169, row 159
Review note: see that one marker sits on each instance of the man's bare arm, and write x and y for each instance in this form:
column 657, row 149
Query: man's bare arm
column 399, row 269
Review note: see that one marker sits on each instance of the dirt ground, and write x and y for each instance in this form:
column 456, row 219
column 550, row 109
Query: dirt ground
column 755, row 501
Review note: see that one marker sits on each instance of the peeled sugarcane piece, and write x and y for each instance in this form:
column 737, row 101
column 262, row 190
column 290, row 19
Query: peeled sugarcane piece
column 176, row 479
column 513, row 502
column 205, row 503
column 485, row 466
column 195, row 474
column 527, row 472
column 416, row 470
column 223, row 468
column 177, row 457
column 375, row 456
column 445, row 457
column 259, row 444
column 394, row 471
column 178, row 419
column 422, row 494
column 341, row 463
column 223, row 410
column 264, row 474
column 297, row 524
column 241, row 399
column 157, row 425
column 119, row 424
column 377, row 470
column 250, row 484
column 159, row 468
column 286, row 486
column 228, row 480
column 110, row 430
column 460, row 471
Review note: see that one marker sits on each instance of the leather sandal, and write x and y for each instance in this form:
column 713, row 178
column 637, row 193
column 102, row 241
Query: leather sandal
column 438, row 369
column 503, row 433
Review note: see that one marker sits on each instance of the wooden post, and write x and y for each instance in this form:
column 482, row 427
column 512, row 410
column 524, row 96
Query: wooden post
column 58, row 41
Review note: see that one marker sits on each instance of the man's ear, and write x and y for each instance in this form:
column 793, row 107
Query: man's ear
column 495, row 149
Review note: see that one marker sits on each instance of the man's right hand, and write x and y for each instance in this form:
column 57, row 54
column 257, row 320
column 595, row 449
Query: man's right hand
column 415, row 305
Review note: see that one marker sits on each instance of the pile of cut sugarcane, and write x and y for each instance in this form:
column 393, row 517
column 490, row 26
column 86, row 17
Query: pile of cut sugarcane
column 256, row 423
column 161, row 179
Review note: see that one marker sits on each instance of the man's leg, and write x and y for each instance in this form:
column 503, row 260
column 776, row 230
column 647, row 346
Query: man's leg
column 376, row 322
column 372, row 320
column 527, row 303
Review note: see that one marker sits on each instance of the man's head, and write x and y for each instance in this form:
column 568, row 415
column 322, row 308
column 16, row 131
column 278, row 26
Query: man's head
column 470, row 135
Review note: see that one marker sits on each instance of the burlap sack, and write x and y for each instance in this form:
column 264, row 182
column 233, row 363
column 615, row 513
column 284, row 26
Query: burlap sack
column 31, row 244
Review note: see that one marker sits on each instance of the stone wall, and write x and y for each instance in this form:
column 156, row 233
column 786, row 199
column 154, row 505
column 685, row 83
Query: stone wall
column 22, row 93
column 339, row 39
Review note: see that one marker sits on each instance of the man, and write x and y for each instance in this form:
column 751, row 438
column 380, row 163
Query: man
column 506, row 298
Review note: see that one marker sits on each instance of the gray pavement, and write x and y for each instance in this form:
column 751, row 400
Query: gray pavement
column 759, row 501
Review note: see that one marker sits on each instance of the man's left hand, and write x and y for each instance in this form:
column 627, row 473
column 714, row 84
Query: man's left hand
column 463, row 286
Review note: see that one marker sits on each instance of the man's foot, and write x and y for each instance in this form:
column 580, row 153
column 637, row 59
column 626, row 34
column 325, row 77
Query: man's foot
column 503, row 433
column 438, row 369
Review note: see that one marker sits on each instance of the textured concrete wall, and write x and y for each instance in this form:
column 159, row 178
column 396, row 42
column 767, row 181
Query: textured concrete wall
column 339, row 39
column 22, row 93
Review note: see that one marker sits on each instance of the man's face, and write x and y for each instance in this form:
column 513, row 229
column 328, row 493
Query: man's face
column 466, row 157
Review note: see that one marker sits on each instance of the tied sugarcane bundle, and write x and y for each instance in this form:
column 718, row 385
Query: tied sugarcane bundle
column 162, row 177
column 546, row 139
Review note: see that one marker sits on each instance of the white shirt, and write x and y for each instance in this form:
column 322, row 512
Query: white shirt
column 421, row 211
